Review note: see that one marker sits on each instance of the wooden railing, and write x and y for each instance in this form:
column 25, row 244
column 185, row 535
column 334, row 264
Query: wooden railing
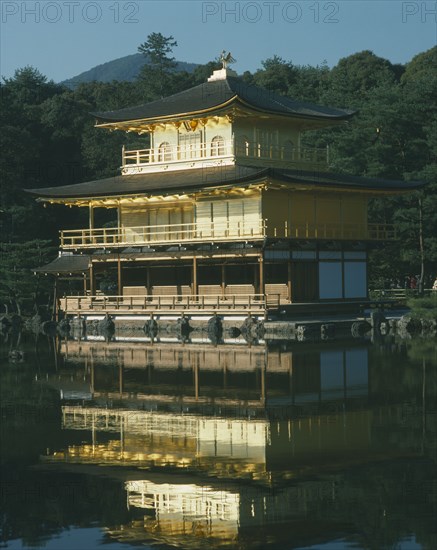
column 230, row 231
column 340, row 231
column 162, row 234
column 150, row 304
column 164, row 155
column 401, row 294
column 213, row 150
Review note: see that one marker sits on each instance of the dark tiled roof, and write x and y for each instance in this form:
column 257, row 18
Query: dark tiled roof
column 343, row 180
column 215, row 94
column 65, row 264
column 155, row 184
column 185, row 181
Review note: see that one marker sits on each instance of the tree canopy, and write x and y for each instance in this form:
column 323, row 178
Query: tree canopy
column 158, row 75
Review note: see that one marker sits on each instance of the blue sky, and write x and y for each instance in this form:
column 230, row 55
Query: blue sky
column 63, row 38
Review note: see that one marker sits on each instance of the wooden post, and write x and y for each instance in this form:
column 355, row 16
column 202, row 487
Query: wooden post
column 120, row 380
column 91, row 216
column 194, row 276
column 261, row 275
column 92, row 280
column 196, row 381
column 223, row 280
column 92, row 376
column 55, row 300
column 289, row 280
column 263, row 384
column 119, row 282
column 119, row 237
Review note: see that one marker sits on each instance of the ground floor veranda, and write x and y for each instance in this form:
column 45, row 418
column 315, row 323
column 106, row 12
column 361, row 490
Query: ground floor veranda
column 247, row 278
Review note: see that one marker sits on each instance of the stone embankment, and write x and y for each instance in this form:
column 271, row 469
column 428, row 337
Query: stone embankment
column 216, row 329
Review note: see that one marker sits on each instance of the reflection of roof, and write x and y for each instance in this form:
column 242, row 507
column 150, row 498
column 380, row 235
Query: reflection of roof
column 216, row 94
column 204, row 178
column 66, row 264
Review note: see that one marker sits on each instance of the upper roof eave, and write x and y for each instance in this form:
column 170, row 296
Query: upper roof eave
column 212, row 96
column 169, row 118
column 220, row 107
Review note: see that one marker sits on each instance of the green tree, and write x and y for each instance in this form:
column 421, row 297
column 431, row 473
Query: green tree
column 355, row 77
column 156, row 76
column 277, row 75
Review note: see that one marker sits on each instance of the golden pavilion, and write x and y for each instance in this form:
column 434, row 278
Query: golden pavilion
column 222, row 208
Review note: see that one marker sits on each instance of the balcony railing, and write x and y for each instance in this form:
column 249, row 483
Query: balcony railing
column 162, row 234
column 150, row 304
column 336, row 231
column 229, row 231
column 165, row 155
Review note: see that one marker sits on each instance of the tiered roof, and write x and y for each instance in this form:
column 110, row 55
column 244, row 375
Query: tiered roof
column 221, row 94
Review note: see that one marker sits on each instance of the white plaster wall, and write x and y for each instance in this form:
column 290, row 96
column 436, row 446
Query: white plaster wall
column 168, row 134
column 218, row 127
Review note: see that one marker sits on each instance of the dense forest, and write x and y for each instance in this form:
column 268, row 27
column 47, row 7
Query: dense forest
column 48, row 138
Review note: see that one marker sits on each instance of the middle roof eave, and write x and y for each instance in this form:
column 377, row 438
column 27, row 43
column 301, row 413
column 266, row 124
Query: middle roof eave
column 192, row 181
column 181, row 181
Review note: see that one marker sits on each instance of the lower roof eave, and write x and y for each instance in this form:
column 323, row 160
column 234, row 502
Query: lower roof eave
column 66, row 264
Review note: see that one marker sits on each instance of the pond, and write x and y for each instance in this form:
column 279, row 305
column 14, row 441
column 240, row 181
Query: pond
column 279, row 445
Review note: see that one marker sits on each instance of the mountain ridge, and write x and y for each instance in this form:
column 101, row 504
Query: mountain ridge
column 125, row 68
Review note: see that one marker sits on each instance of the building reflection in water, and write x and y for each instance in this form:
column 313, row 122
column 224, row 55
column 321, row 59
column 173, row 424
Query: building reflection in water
column 227, row 436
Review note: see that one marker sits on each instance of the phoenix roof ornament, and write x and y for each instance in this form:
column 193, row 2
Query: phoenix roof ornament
column 226, row 59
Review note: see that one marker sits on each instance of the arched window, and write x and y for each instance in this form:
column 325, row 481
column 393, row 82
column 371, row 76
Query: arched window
column 164, row 152
column 288, row 150
column 217, row 146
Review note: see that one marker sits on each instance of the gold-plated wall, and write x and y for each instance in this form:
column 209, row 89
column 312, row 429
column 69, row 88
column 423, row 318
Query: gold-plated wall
column 298, row 214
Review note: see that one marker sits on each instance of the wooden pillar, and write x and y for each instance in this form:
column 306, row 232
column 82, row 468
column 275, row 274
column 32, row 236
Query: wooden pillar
column 263, row 384
column 119, row 282
column 92, row 280
column 84, row 284
column 223, row 279
column 196, row 381
column 195, row 290
column 55, row 300
column 149, row 289
column 119, row 224
column 256, row 279
column 261, row 275
column 120, row 380
column 91, row 216
column 93, row 431
column 92, row 379
column 121, row 436
column 289, row 281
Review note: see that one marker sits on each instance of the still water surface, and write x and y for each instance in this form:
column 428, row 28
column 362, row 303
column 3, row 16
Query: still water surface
column 305, row 446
